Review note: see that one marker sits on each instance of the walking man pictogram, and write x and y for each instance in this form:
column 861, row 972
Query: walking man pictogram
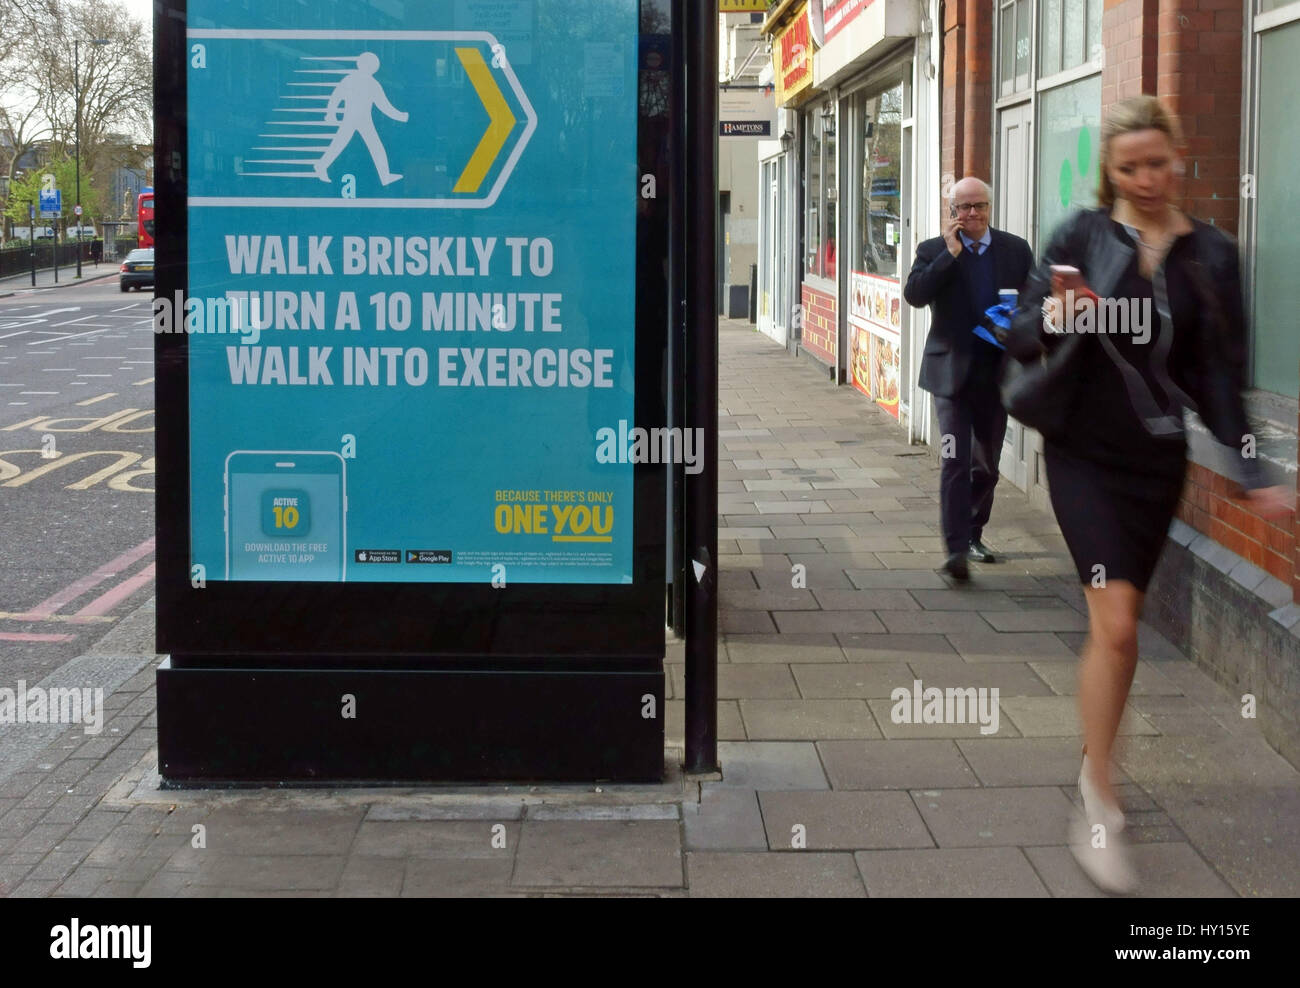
column 350, row 106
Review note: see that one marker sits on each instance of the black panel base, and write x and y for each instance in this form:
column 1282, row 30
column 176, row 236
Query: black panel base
column 227, row 727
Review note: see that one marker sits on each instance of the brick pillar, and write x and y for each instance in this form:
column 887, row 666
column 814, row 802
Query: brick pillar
column 1129, row 34
column 976, row 153
column 967, row 91
column 953, row 133
column 1199, row 78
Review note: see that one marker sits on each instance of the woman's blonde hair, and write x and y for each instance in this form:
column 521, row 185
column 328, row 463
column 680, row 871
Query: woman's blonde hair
column 1125, row 117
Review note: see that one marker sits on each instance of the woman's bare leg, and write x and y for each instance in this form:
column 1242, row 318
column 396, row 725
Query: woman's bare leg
column 1106, row 672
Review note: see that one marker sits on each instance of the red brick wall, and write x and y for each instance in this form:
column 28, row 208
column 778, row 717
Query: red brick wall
column 967, row 107
column 1199, row 78
column 1129, row 35
column 953, row 132
column 1188, row 52
column 821, row 328
column 1207, row 505
column 976, row 141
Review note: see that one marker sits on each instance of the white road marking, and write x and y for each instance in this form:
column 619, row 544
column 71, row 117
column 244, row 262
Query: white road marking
column 94, row 375
column 70, row 336
column 91, row 401
column 51, row 370
column 38, row 392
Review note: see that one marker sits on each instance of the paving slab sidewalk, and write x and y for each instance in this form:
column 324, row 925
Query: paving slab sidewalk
column 829, row 601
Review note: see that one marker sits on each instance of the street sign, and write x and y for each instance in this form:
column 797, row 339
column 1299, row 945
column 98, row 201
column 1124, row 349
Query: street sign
column 745, row 113
column 76, row 210
column 51, row 203
column 31, row 212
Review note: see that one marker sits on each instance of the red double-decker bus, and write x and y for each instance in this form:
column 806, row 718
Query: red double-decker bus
column 144, row 213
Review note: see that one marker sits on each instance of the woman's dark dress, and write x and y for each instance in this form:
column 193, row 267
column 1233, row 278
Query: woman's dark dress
column 1114, row 485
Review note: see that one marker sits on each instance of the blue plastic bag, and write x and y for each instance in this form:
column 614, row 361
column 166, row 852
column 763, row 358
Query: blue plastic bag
column 996, row 318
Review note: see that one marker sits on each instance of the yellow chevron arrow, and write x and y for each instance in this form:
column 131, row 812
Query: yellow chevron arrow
column 500, row 120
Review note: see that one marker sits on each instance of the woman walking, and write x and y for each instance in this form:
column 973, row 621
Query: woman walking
column 1159, row 296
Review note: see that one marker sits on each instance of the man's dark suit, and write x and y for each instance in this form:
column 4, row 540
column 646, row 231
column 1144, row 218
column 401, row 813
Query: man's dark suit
column 961, row 371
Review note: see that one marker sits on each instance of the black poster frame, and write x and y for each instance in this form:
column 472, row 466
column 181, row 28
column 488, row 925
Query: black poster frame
column 405, row 625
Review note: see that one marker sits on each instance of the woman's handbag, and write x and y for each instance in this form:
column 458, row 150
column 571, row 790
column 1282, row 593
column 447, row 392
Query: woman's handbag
column 1039, row 392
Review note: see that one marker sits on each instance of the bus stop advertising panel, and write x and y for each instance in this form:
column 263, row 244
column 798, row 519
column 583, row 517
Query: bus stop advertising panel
column 409, row 333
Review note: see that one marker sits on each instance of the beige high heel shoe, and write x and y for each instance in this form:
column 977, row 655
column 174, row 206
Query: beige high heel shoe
column 1096, row 810
column 1096, row 843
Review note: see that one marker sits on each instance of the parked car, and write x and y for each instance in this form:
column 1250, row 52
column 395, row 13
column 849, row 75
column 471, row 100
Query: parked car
column 137, row 269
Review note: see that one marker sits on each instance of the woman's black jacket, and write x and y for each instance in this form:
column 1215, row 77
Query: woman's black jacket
column 1091, row 241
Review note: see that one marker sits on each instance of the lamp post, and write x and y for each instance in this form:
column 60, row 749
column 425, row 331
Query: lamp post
column 76, row 86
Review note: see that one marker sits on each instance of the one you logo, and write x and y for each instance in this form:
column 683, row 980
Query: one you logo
column 95, row 942
column 420, row 119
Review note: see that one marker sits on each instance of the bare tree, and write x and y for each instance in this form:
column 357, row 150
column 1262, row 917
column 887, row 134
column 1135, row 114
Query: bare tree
column 40, row 80
column 116, row 78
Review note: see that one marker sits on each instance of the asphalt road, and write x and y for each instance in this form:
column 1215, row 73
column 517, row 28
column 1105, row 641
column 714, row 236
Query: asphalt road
column 76, row 471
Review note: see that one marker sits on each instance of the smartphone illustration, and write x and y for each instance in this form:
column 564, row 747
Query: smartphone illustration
column 286, row 516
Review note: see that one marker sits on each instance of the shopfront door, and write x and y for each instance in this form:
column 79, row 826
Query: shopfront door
column 1012, row 213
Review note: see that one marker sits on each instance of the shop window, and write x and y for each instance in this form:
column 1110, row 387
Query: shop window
column 820, row 246
column 1095, row 51
column 1014, row 46
column 1069, row 36
column 813, row 195
column 830, row 182
column 1049, row 55
column 1076, row 18
column 1276, row 289
column 1069, row 130
column 880, row 117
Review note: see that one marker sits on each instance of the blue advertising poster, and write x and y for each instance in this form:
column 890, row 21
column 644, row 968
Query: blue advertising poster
column 411, row 305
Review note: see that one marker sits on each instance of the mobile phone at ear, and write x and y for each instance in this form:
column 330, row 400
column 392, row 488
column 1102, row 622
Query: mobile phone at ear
column 952, row 211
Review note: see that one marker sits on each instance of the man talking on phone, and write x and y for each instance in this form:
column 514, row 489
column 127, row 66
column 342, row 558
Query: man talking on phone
column 959, row 276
